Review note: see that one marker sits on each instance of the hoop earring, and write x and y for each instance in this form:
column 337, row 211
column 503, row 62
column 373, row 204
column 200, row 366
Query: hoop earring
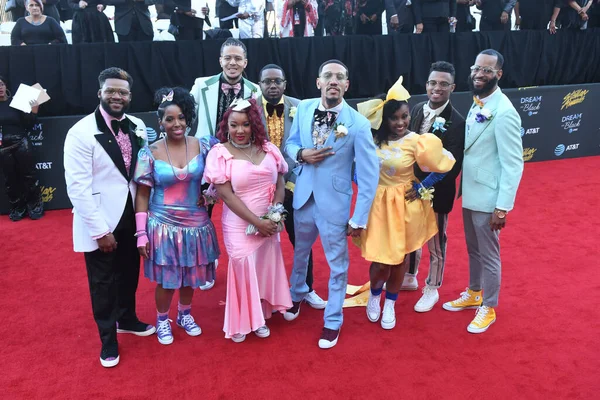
column 8, row 93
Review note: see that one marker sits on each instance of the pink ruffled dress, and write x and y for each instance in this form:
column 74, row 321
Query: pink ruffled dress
column 257, row 282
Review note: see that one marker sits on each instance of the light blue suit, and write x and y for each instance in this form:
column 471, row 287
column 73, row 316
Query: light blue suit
column 322, row 198
column 492, row 170
column 493, row 162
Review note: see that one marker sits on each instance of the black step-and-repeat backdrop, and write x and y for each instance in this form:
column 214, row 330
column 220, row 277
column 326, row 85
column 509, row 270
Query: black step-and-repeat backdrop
column 557, row 122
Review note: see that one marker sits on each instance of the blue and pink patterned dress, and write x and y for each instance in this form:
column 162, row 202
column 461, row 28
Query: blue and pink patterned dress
column 183, row 241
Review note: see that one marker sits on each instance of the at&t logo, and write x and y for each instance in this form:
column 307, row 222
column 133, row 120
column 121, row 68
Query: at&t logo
column 571, row 123
column 531, row 105
column 561, row 149
column 530, row 131
column 44, row 165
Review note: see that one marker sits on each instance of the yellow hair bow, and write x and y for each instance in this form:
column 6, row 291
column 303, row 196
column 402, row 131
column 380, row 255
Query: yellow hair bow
column 373, row 109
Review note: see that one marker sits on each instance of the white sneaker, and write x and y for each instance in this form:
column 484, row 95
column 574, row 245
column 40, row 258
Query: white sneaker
column 428, row 300
column 263, row 332
column 388, row 320
column 208, row 285
column 238, row 338
column 374, row 307
column 410, row 282
column 315, row 301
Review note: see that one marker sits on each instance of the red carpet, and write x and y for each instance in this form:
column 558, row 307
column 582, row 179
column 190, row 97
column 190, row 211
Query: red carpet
column 544, row 344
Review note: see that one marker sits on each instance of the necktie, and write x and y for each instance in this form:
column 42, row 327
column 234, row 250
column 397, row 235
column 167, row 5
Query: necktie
column 326, row 117
column 225, row 87
column 275, row 108
column 428, row 116
column 122, row 125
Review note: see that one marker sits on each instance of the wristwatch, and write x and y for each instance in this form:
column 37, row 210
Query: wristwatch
column 500, row 213
column 299, row 158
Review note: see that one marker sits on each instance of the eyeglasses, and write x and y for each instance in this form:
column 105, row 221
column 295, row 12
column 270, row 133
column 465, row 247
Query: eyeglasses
column 442, row 85
column 485, row 70
column 340, row 77
column 236, row 59
column 269, row 82
column 120, row 92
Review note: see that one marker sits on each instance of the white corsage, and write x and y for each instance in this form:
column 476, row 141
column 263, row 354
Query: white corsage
column 210, row 195
column 483, row 115
column 340, row 131
column 292, row 113
column 426, row 194
column 276, row 213
column 439, row 124
column 142, row 136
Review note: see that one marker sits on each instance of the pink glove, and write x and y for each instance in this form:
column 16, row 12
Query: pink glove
column 141, row 218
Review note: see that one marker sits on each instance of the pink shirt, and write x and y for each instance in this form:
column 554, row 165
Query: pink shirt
column 122, row 139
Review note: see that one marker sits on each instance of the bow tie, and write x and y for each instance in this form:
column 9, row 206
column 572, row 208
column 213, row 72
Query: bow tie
column 122, row 125
column 327, row 117
column 277, row 107
column 225, row 87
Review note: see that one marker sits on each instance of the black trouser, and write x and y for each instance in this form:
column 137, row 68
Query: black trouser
column 22, row 185
column 113, row 280
column 320, row 29
column 486, row 25
column 289, row 227
column 136, row 34
column 437, row 24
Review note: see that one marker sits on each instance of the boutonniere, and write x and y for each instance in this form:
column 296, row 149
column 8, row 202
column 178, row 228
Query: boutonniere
column 292, row 113
column 340, row 130
column 483, row 115
column 254, row 93
column 440, row 124
column 142, row 136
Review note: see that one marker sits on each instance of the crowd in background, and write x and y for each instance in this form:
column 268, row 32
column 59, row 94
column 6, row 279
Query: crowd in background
column 133, row 20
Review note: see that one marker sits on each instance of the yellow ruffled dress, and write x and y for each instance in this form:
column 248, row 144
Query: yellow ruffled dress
column 397, row 227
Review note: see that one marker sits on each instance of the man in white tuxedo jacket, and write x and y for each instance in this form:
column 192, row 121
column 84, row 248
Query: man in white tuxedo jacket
column 100, row 154
column 214, row 94
column 492, row 169
column 278, row 111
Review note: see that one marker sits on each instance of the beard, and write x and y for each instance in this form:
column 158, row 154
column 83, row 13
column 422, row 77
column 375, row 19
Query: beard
column 109, row 111
column 485, row 89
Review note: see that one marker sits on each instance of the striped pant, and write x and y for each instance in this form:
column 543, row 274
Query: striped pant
column 437, row 254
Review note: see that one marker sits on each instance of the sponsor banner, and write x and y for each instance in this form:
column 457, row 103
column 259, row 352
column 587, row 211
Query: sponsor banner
column 557, row 122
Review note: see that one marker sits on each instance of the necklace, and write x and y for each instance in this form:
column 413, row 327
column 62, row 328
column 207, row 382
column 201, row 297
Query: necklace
column 249, row 156
column 187, row 164
column 240, row 146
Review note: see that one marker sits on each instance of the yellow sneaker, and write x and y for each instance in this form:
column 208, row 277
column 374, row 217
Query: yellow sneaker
column 468, row 299
column 485, row 317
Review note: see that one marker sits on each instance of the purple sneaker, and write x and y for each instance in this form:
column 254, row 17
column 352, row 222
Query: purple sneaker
column 186, row 321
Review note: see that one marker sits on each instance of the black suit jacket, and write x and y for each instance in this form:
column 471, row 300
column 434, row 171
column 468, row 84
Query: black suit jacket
column 127, row 10
column 437, row 8
column 407, row 15
column 453, row 140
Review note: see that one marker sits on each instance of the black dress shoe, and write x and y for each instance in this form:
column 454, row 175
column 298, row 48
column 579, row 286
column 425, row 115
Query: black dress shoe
column 35, row 211
column 17, row 214
column 137, row 328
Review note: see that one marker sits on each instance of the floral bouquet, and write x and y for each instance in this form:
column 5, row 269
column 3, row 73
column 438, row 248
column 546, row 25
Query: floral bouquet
column 274, row 213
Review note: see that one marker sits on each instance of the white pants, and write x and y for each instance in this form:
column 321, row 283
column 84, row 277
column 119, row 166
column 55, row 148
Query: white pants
column 251, row 28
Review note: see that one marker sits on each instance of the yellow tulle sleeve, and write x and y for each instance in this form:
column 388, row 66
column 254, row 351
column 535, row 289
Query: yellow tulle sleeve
column 431, row 155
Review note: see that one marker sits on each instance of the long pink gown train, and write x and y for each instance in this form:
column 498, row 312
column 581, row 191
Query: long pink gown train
column 257, row 282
